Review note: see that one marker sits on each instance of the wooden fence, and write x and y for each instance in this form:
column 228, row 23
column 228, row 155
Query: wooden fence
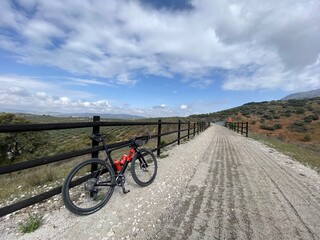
column 191, row 129
column 239, row 127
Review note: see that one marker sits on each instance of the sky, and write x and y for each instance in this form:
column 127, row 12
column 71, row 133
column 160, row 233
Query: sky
column 155, row 58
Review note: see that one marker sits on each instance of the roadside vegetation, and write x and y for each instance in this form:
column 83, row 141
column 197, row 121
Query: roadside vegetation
column 290, row 126
column 32, row 223
column 306, row 155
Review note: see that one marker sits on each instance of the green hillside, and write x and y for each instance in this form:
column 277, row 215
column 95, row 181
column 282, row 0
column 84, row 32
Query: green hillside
column 295, row 120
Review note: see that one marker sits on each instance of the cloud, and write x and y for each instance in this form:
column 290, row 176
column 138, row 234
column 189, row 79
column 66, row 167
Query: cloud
column 124, row 80
column 87, row 82
column 162, row 106
column 32, row 94
column 184, row 107
column 120, row 40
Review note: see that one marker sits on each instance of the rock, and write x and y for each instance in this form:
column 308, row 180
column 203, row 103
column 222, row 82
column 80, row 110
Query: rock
column 110, row 233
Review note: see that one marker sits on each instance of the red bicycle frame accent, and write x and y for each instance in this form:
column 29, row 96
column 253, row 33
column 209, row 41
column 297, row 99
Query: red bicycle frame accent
column 125, row 158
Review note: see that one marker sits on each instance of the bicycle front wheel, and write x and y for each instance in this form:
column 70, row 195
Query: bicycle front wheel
column 88, row 187
column 144, row 167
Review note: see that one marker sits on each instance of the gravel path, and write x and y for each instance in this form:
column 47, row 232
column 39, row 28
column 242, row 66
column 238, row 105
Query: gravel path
column 220, row 185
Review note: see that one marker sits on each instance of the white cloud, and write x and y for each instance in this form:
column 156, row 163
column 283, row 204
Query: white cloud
column 184, row 107
column 124, row 80
column 162, row 106
column 86, row 82
column 119, row 40
column 34, row 95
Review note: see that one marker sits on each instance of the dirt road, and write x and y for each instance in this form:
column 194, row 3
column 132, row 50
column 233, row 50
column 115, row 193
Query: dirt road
column 220, row 185
column 244, row 190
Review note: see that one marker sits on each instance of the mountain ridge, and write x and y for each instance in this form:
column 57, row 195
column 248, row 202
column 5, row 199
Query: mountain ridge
column 302, row 95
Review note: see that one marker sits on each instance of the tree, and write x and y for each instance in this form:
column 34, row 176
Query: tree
column 14, row 145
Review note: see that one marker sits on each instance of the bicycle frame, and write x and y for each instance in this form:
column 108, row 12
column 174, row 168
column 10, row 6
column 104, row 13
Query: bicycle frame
column 125, row 165
column 120, row 170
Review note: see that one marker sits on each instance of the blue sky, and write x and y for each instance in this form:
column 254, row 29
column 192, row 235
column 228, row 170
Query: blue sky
column 155, row 58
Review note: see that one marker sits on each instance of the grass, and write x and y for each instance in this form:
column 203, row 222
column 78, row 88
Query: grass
column 32, row 223
column 32, row 181
column 42, row 176
column 307, row 156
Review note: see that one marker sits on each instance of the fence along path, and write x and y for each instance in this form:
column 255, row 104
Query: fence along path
column 191, row 128
column 221, row 185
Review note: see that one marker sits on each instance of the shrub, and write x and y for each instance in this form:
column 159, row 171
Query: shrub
column 271, row 128
column 162, row 143
column 300, row 111
column 31, row 224
column 297, row 127
column 288, row 113
column 267, row 116
column 307, row 137
column 308, row 119
column 266, row 127
column 297, row 102
column 277, row 126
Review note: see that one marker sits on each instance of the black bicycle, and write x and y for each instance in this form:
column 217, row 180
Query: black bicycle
column 89, row 185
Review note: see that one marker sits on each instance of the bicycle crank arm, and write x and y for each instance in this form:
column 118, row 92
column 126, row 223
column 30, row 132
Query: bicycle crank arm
column 124, row 190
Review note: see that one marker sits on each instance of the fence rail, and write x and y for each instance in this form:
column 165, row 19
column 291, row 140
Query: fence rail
column 239, row 127
column 192, row 129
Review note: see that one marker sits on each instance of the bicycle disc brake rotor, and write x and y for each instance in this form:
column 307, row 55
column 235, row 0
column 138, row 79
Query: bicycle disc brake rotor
column 143, row 166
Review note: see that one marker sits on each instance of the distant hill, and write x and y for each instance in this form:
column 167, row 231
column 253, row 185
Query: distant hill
column 109, row 115
column 302, row 95
column 75, row 115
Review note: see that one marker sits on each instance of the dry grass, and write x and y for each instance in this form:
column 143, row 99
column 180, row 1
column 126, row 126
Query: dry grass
column 302, row 153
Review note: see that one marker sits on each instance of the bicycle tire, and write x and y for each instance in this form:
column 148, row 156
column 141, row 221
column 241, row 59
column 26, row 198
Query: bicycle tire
column 82, row 192
column 143, row 174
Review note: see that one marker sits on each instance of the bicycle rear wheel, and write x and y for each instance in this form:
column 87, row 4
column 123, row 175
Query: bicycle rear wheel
column 88, row 187
column 144, row 167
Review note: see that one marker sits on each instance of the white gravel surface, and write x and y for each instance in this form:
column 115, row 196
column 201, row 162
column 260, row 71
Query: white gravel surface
column 220, row 185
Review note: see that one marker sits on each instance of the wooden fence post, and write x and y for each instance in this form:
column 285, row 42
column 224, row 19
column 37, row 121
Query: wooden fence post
column 241, row 128
column 95, row 129
column 194, row 129
column 188, row 130
column 198, row 127
column 159, row 138
column 179, row 129
column 247, row 129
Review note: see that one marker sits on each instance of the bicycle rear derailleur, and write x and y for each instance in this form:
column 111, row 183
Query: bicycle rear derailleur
column 120, row 180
